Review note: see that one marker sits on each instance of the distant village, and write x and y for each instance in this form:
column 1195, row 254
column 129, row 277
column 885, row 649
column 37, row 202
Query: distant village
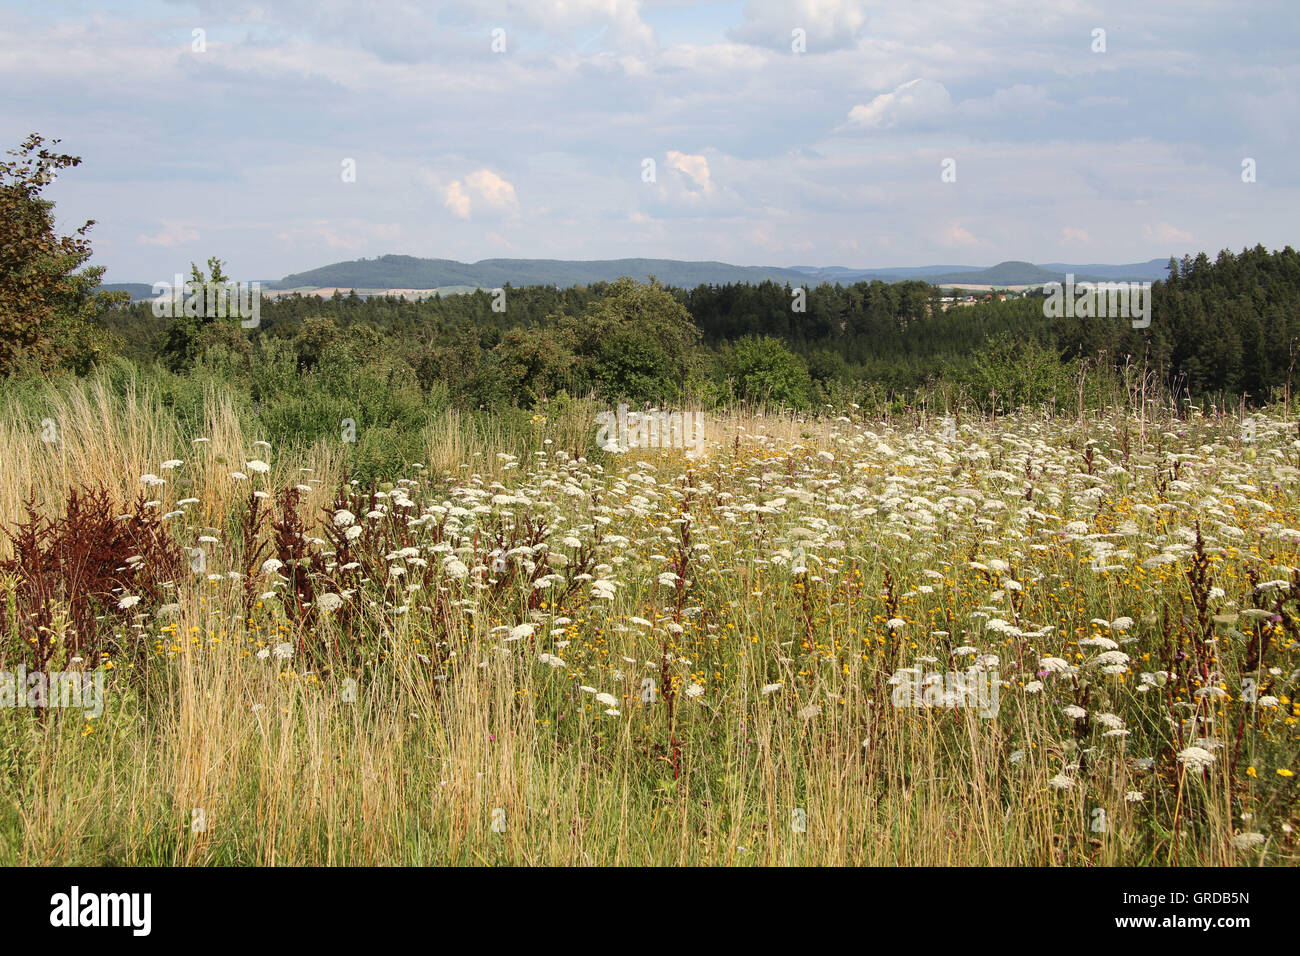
column 967, row 296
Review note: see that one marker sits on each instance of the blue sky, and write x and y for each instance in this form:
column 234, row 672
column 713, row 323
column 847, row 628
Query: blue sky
column 762, row 155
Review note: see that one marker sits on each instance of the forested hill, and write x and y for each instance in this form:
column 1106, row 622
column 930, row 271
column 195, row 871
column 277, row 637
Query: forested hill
column 409, row 272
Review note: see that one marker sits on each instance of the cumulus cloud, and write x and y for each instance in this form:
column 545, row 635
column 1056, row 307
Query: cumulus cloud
column 482, row 186
column 958, row 235
column 916, row 102
column 694, row 168
column 457, row 200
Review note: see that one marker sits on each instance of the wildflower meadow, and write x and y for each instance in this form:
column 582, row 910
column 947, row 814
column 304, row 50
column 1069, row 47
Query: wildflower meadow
column 920, row 636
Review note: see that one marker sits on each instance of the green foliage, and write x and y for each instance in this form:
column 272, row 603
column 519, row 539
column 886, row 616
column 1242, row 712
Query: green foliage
column 637, row 342
column 50, row 314
column 766, row 371
column 1007, row 373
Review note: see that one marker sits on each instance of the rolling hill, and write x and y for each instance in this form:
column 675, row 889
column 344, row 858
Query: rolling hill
column 396, row 272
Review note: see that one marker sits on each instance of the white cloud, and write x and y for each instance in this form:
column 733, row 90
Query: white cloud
column 482, row 186
column 695, row 168
column 1166, row 233
column 958, row 235
column 492, row 189
column 916, row 101
column 457, row 200
column 171, row 234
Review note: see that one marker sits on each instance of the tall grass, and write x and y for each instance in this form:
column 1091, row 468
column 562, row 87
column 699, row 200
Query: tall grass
column 230, row 741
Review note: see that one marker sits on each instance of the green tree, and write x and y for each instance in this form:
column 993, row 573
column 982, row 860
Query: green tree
column 636, row 342
column 189, row 335
column 51, row 315
column 764, row 370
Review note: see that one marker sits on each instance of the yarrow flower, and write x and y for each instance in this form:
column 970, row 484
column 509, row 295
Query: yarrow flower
column 1195, row 758
column 1247, row 841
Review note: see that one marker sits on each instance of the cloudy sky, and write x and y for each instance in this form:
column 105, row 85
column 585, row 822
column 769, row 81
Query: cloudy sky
column 804, row 132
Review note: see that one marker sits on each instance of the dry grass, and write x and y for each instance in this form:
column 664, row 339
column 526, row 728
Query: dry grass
column 453, row 724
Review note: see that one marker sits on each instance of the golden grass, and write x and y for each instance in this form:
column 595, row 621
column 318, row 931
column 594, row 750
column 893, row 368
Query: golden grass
column 287, row 771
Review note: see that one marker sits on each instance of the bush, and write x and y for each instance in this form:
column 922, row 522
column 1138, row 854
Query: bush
column 764, row 370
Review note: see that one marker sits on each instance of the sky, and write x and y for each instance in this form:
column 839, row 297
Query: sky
column 287, row 134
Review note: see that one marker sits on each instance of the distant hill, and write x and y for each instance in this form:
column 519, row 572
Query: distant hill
column 898, row 274
column 1026, row 273
column 1148, row 271
column 1004, row 273
column 138, row 290
column 408, row 273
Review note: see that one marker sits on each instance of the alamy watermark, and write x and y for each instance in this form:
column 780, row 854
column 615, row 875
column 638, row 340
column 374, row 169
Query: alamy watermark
column 211, row 300
column 973, row 688
column 1101, row 300
column 83, row 690
column 129, row 910
column 624, row 430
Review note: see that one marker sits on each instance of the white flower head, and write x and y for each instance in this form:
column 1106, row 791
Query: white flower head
column 1195, row 758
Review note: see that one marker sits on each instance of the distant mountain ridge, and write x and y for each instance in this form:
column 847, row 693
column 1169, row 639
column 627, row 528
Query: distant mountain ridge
column 408, row 272
column 412, row 273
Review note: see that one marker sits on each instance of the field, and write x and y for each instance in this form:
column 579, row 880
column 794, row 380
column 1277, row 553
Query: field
column 527, row 650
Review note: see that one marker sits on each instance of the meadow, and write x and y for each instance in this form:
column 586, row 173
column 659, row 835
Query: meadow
column 525, row 649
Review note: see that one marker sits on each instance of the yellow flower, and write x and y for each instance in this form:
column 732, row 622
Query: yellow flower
column 1283, row 772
